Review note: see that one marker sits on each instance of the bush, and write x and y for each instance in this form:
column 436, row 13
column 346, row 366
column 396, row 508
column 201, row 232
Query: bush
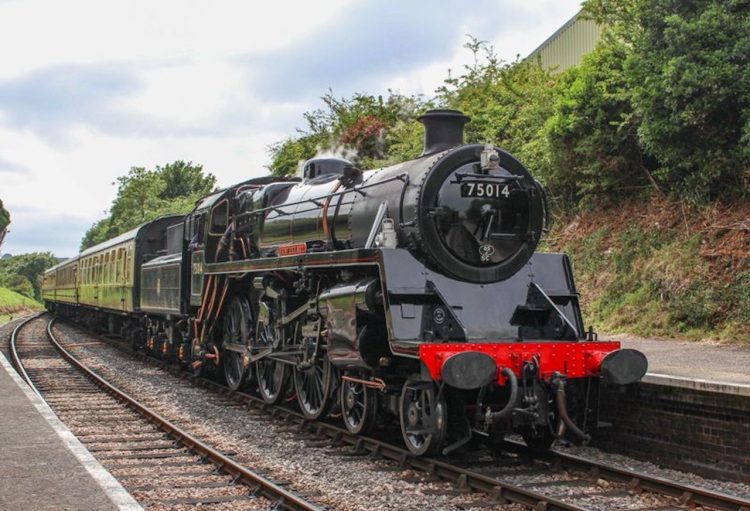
column 20, row 285
column 508, row 103
column 592, row 134
column 372, row 131
column 689, row 72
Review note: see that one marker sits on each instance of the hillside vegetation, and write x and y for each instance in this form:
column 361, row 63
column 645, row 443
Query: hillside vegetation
column 14, row 304
column 22, row 274
column 654, row 268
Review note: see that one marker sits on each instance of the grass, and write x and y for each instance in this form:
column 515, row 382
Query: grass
column 13, row 305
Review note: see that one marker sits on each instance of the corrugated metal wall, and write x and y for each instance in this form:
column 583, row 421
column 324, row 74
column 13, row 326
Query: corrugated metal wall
column 566, row 47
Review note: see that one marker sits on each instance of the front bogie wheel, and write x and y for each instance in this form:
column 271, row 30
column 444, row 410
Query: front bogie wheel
column 423, row 416
column 359, row 406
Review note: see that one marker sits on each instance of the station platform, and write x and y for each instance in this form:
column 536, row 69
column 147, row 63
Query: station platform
column 43, row 466
column 721, row 368
column 690, row 412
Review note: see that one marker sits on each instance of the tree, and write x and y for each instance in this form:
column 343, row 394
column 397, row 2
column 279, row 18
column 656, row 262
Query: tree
column 29, row 266
column 4, row 217
column 143, row 195
column 184, row 180
column 4, row 222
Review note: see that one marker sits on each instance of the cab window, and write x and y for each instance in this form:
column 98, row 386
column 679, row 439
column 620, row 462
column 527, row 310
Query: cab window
column 219, row 219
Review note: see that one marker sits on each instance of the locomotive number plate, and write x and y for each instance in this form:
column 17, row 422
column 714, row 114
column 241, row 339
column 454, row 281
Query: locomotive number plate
column 485, row 190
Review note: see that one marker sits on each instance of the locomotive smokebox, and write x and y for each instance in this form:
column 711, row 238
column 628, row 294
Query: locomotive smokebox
column 443, row 129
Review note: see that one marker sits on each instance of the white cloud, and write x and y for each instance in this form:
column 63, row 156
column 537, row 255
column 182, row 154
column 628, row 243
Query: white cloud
column 43, row 32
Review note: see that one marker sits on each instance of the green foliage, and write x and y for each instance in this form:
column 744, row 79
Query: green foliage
column 4, row 217
column 688, row 70
column 143, row 195
column 592, row 135
column 21, row 271
column 508, row 104
column 662, row 105
column 19, row 284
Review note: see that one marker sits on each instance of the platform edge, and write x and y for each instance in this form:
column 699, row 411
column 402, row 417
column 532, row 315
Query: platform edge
column 111, row 487
column 720, row 387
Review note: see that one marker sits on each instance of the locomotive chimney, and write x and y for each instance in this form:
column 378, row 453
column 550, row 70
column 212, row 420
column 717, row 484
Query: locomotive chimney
column 443, row 129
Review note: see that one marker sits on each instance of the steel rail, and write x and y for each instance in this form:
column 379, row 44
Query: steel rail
column 16, row 359
column 686, row 493
column 282, row 498
column 500, row 491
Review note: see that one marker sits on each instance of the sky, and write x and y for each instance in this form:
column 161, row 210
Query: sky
column 90, row 88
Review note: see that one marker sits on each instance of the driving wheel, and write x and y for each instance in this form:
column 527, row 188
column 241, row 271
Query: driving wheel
column 271, row 374
column 236, row 331
column 313, row 387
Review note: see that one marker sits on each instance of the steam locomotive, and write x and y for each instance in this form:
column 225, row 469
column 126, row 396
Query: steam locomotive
column 409, row 295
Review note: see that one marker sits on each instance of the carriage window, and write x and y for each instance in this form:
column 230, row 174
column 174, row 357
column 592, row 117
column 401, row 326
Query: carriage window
column 219, row 218
column 112, row 265
column 128, row 264
column 118, row 266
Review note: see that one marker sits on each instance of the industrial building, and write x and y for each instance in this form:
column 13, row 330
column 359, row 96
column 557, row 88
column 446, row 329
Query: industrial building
column 567, row 46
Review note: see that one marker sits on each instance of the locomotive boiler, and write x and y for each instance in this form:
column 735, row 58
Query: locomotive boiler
column 412, row 294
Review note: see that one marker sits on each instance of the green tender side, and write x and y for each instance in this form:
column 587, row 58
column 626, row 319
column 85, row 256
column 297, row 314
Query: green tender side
column 160, row 284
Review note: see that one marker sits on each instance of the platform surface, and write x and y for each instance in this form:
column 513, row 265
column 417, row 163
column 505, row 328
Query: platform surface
column 701, row 366
column 42, row 465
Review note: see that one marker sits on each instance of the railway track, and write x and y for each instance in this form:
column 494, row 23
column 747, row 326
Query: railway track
column 556, row 481
column 163, row 466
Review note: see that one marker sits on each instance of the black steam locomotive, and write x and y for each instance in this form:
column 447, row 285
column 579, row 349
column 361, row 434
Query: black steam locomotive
column 409, row 294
